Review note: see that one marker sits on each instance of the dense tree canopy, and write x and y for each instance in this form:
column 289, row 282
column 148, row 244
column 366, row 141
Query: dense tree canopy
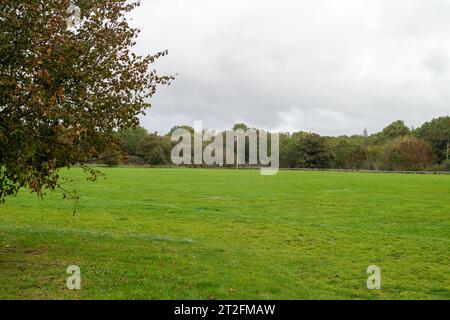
column 131, row 139
column 65, row 89
column 407, row 153
column 305, row 150
column 437, row 133
column 395, row 130
column 349, row 153
column 155, row 150
column 394, row 148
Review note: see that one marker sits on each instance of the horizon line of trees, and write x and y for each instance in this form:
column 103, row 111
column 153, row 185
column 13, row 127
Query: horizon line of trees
column 395, row 148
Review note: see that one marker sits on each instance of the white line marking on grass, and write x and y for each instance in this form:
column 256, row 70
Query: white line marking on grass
column 145, row 203
column 218, row 198
column 338, row 190
column 87, row 233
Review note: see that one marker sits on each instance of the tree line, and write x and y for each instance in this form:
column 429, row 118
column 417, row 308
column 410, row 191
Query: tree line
column 395, row 148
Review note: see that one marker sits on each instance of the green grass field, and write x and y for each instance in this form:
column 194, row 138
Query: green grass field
column 222, row 234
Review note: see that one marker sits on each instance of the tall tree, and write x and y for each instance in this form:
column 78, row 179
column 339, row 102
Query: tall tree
column 437, row 133
column 154, row 149
column 65, row 89
column 349, row 153
column 395, row 130
column 308, row 150
column 131, row 138
column 407, row 153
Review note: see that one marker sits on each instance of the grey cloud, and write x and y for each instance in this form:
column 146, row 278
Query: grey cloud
column 437, row 61
column 320, row 66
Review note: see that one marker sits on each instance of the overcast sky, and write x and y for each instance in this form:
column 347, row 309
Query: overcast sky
column 325, row 66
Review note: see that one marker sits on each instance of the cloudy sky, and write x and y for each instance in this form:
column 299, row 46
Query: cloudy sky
column 326, row 66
